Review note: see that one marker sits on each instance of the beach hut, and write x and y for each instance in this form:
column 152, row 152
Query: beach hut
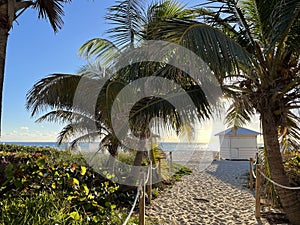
column 238, row 144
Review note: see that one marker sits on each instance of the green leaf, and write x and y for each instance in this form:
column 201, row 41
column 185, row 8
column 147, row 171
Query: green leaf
column 9, row 171
column 76, row 216
column 18, row 183
column 83, row 170
column 75, row 182
column 86, row 189
column 40, row 162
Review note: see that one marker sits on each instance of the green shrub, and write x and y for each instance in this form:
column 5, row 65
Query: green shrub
column 57, row 183
column 43, row 208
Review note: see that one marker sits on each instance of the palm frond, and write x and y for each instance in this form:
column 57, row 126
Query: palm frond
column 75, row 132
column 231, row 18
column 283, row 17
column 239, row 114
column 221, row 53
column 87, row 137
column 63, row 116
column 252, row 16
column 265, row 10
column 289, row 132
column 127, row 16
column 103, row 49
column 55, row 91
column 174, row 109
column 293, row 39
column 51, row 10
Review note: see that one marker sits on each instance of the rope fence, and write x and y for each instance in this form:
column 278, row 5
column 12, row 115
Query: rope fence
column 134, row 204
column 257, row 177
column 145, row 189
column 144, row 181
column 277, row 184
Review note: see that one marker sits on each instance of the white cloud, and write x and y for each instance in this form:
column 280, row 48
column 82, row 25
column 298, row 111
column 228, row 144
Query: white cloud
column 24, row 128
column 24, row 134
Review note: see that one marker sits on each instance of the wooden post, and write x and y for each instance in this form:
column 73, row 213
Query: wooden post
column 142, row 202
column 171, row 162
column 257, row 192
column 149, row 185
column 251, row 175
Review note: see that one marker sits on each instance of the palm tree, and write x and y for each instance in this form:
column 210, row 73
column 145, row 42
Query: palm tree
column 132, row 25
column 10, row 10
column 253, row 48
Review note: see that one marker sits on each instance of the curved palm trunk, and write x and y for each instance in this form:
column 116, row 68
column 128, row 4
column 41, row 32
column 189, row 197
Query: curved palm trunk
column 3, row 45
column 290, row 199
column 136, row 169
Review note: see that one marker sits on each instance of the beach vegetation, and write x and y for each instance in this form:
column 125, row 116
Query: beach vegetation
column 50, row 186
column 38, row 183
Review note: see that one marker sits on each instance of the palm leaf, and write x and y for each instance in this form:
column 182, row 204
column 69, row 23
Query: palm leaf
column 283, row 17
column 55, row 91
column 265, row 9
column 51, row 10
column 239, row 114
column 127, row 16
column 102, row 49
column 222, row 54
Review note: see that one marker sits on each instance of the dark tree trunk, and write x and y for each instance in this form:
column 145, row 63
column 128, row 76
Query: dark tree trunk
column 138, row 158
column 289, row 198
column 3, row 45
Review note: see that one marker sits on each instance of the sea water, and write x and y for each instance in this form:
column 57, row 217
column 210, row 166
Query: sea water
column 181, row 151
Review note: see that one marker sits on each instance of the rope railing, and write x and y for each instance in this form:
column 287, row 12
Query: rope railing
column 257, row 176
column 269, row 179
column 156, row 166
column 277, row 184
column 134, row 204
column 140, row 189
column 148, row 174
column 253, row 174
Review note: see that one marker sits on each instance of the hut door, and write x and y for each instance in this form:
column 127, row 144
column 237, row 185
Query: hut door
column 234, row 153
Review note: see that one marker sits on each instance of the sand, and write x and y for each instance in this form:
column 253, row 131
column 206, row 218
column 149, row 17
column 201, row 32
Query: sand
column 214, row 196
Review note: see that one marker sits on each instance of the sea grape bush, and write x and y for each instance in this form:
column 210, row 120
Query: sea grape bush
column 28, row 171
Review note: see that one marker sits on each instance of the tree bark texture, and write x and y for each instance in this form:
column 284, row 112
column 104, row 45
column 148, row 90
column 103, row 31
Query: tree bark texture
column 3, row 45
column 290, row 199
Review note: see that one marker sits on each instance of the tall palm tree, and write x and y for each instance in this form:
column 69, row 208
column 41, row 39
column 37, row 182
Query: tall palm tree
column 10, row 10
column 253, row 48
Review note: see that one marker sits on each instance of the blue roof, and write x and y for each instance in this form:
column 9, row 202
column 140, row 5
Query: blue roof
column 239, row 130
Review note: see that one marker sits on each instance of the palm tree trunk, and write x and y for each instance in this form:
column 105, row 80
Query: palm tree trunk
column 290, row 199
column 3, row 45
column 138, row 158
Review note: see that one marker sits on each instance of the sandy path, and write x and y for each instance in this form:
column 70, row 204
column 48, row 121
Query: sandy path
column 213, row 196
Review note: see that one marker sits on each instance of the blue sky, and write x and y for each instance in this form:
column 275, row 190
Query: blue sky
column 34, row 51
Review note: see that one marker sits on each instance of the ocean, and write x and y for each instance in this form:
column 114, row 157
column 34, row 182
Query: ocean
column 38, row 144
column 181, row 151
column 167, row 146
